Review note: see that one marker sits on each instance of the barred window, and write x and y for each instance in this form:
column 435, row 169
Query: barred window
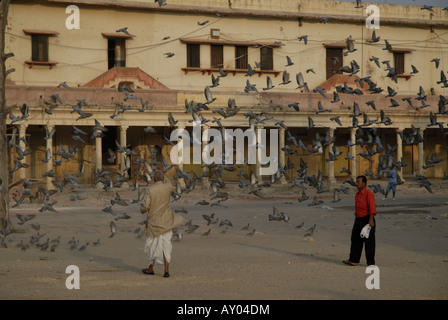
column 266, row 58
column 399, row 62
column 217, row 56
column 241, row 57
column 193, row 57
column 39, row 43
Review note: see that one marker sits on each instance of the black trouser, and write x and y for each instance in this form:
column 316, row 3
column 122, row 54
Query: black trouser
column 357, row 241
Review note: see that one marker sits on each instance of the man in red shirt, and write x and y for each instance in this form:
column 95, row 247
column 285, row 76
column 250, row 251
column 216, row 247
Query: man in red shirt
column 365, row 210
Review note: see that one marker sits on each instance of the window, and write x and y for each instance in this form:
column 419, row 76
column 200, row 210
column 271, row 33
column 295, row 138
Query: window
column 241, row 57
column 193, row 60
column 39, row 48
column 217, row 56
column 399, row 62
column 116, row 52
column 40, row 54
column 266, row 58
column 334, row 61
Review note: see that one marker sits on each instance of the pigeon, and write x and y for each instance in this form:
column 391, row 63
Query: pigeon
column 208, row 95
column 310, row 231
column 394, row 103
column 426, row 7
column 374, row 38
column 250, row 87
column 208, row 218
column 161, row 2
column 321, row 108
column 251, row 233
column 123, row 30
column 294, row 105
column 203, row 23
column 113, row 229
column 321, row 91
column 24, row 218
column 181, row 210
column 335, row 97
column 276, row 216
column 315, row 202
column 225, row 222
column 388, row 46
column 285, row 78
column 250, row 71
column 289, row 62
column 64, row 85
column 436, row 61
column 300, row 81
column 304, row 197
column 304, row 38
column 269, row 85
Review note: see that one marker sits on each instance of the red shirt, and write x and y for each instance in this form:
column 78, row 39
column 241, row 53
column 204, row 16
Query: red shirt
column 364, row 203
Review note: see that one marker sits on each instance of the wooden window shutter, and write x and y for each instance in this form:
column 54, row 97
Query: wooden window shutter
column 266, row 58
column 399, row 62
column 193, row 60
column 241, row 57
column 217, row 56
column 334, row 61
column 39, row 48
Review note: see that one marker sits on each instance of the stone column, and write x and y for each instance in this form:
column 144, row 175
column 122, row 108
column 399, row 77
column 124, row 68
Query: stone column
column 49, row 166
column 331, row 176
column 420, row 170
column 98, row 157
column 123, row 141
column 180, row 126
column 399, row 152
column 258, row 176
column 22, row 145
column 353, row 153
column 281, row 153
column 205, row 170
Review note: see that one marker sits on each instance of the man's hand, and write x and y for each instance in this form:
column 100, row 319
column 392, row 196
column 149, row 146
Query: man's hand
column 371, row 222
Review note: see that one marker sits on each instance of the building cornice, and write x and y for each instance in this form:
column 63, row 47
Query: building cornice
column 247, row 13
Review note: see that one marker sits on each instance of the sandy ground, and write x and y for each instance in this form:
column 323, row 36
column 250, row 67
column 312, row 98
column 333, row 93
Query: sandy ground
column 277, row 262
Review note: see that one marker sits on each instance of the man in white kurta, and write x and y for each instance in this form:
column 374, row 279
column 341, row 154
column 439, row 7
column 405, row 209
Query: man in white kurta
column 161, row 220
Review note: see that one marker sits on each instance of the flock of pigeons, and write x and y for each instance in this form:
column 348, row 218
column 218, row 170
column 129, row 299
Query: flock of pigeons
column 366, row 136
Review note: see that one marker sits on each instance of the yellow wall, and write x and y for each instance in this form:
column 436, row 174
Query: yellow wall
column 81, row 54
